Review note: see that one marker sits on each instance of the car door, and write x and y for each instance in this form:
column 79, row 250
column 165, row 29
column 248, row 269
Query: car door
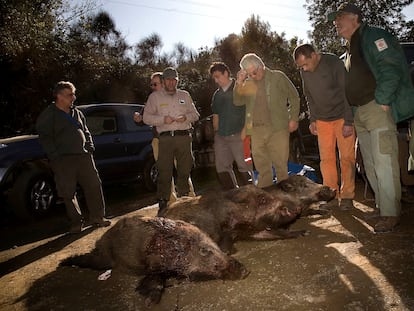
column 104, row 125
column 137, row 138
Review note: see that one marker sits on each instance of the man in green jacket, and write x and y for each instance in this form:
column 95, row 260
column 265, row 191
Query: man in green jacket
column 378, row 86
column 272, row 110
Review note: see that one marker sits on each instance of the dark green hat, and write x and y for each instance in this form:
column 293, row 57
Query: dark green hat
column 344, row 8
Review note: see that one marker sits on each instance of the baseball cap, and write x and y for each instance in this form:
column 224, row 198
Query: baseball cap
column 170, row 73
column 344, row 8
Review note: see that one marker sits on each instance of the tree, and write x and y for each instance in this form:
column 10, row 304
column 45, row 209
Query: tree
column 30, row 42
column 147, row 51
column 386, row 14
column 230, row 51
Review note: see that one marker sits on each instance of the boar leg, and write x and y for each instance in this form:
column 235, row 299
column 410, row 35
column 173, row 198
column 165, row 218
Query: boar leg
column 226, row 243
column 151, row 287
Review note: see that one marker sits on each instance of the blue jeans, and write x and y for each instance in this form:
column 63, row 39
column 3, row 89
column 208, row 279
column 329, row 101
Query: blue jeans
column 377, row 136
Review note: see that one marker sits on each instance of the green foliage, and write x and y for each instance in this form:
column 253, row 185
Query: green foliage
column 385, row 14
column 45, row 41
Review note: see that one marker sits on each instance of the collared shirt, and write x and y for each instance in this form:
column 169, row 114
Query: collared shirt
column 161, row 104
column 231, row 117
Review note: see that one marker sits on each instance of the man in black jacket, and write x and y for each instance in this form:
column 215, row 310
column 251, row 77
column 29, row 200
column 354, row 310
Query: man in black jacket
column 68, row 144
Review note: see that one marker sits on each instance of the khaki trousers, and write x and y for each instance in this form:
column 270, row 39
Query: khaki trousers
column 270, row 149
column 378, row 142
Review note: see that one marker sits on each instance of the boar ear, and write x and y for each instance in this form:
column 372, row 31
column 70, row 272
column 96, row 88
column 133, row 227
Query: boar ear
column 286, row 186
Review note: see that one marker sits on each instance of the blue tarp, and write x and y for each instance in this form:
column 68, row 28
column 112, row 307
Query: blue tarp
column 295, row 168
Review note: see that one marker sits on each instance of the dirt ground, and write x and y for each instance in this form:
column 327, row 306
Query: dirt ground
column 340, row 265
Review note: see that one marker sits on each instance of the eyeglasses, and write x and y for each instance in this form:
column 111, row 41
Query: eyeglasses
column 68, row 95
column 253, row 73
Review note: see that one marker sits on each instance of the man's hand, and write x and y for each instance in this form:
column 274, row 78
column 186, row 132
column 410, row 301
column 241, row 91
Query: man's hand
column 181, row 119
column 347, row 130
column 293, row 126
column 385, row 107
column 313, row 129
column 241, row 76
column 168, row 120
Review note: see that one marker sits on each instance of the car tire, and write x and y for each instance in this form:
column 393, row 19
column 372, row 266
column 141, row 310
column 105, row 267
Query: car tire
column 33, row 194
column 150, row 174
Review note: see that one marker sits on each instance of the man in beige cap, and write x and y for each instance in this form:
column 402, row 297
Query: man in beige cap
column 172, row 111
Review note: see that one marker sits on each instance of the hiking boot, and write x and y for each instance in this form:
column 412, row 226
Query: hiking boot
column 162, row 206
column 386, row 224
column 371, row 215
column 346, row 204
column 328, row 206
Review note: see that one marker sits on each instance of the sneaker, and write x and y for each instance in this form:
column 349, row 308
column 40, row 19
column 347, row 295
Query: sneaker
column 346, row 204
column 386, row 224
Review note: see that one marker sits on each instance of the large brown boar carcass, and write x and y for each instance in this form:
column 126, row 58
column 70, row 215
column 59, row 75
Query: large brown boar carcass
column 249, row 212
column 159, row 248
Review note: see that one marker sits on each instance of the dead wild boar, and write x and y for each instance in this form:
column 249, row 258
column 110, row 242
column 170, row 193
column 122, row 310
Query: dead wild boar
column 244, row 213
column 249, row 212
column 304, row 190
column 159, row 248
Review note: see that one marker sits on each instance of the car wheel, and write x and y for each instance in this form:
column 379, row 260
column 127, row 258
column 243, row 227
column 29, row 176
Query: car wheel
column 33, row 194
column 150, row 174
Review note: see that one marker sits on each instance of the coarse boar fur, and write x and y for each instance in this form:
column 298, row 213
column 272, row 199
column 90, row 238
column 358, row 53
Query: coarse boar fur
column 249, row 212
column 159, row 248
column 303, row 189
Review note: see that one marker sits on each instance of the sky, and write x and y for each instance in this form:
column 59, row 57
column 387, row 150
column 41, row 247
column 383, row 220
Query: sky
column 198, row 23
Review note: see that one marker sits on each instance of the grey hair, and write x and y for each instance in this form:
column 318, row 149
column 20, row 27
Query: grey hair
column 251, row 60
column 62, row 85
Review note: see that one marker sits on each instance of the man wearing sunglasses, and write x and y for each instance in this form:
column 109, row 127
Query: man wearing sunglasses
column 68, row 144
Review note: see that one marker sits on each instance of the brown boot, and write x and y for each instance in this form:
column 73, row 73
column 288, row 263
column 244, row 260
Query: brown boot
column 226, row 181
column 386, row 224
column 346, row 204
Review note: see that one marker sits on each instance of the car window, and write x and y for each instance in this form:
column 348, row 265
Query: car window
column 102, row 122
